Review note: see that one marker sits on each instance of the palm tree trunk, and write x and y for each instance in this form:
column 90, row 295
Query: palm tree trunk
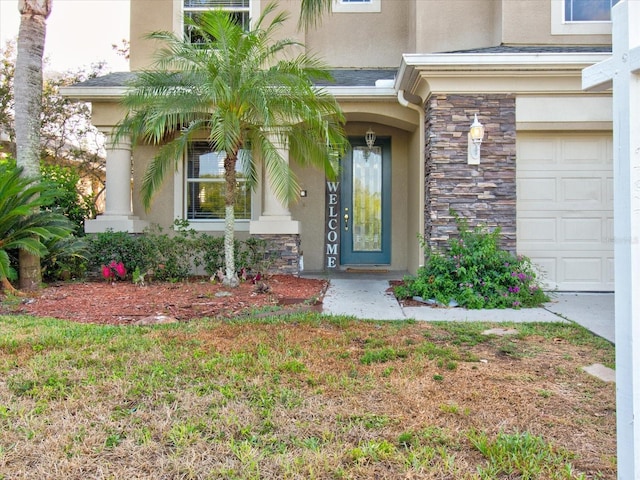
column 230, row 277
column 28, row 109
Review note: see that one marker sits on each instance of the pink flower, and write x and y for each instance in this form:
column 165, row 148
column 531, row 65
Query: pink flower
column 109, row 272
column 119, row 268
column 106, row 272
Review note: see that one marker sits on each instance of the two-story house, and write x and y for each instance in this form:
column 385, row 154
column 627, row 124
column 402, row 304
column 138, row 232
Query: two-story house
column 411, row 77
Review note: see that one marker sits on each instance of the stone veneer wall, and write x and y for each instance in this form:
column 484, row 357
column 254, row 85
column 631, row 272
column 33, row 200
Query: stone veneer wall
column 284, row 249
column 483, row 194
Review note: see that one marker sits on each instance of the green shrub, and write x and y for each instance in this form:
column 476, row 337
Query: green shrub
column 476, row 273
column 107, row 247
column 70, row 201
column 173, row 257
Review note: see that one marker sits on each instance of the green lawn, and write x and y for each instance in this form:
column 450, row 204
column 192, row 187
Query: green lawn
column 302, row 397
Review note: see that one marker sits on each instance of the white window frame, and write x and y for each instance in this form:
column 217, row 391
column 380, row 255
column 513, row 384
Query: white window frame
column 254, row 6
column 559, row 26
column 364, row 6
column 180, row 199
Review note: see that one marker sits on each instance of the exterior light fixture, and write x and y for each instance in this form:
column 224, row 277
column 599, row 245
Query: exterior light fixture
column 475, row 136
column 370, row 138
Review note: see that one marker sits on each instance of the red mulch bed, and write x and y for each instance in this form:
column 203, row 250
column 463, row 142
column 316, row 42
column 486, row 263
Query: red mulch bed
column 124, row 303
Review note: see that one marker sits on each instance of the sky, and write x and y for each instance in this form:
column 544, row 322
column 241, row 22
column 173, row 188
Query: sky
column 79, row 32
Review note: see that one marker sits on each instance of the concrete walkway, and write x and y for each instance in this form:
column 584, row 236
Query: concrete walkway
column 369, row 297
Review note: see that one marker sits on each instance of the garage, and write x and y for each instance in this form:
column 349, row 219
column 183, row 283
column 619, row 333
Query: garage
column 565, row 208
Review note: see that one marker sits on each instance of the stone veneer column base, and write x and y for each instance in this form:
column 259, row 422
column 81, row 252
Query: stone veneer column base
column 285, row 251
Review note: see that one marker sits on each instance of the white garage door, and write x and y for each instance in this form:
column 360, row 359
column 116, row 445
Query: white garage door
column 565, row 208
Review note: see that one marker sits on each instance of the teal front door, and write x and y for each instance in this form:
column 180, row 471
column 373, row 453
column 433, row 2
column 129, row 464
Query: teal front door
column 366, row 204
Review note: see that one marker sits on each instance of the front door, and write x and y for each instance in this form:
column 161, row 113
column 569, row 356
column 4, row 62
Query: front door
column 366, row 204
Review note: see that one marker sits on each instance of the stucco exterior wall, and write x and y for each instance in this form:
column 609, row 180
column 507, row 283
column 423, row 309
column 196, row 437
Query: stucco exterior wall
column 448, row 25
column 161, row 212
column 367, row 40
column 378, row 39
column 415, row 198
column 483, row 194
column 149, row 16
column 531, row 23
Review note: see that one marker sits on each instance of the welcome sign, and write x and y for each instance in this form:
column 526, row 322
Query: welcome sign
column 332, row 224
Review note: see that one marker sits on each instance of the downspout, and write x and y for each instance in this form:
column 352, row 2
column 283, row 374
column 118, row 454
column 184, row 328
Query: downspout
column 414, row 102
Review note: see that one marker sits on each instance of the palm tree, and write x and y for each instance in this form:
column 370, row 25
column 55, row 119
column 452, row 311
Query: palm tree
column 311, row 11
column 28, row 108
column 24, row 225
column 236, row 87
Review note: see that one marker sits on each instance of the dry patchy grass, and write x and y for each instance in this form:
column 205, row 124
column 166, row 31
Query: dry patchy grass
column 302, row 397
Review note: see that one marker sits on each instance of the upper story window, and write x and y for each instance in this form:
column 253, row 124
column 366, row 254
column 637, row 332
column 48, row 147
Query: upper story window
column 581, row 17
column 205, row 184
column 355, row 6
column 588, row 10
column 238, row 9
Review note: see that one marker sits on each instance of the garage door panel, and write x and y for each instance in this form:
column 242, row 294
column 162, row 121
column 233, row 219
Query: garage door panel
column 609, row 271
column 546, row 269
column 565, row 208
column 537, row 190
column 581, row 230
column 583, row 150
column 537, row 151
column 581, row 269
column 609, row 190
column 538, row 230
column 591, row 190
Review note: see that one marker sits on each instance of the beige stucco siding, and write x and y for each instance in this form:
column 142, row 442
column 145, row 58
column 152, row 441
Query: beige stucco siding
column 531, row 22
column 149, row 16
column 355, row 39
column 161, row 212
column 447, row 25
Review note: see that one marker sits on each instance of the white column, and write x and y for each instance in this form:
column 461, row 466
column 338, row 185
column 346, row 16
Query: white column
column 118, row 170
column 622, row 71
column 275, row 217
column 118, row 215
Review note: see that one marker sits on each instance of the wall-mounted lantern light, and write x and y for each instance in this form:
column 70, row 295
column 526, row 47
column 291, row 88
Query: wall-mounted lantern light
column 476, row 134
column 370, row 138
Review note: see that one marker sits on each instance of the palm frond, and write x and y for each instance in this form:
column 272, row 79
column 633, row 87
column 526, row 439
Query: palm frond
column 311, row 11
column 240, row 88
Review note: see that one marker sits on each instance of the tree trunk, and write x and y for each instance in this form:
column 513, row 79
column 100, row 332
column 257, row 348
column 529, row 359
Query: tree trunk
column 230, row 277
column 28, row 109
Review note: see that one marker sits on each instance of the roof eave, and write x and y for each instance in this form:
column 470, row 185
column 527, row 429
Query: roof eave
column 362, row 93
column 416, row 66
column 93, row 94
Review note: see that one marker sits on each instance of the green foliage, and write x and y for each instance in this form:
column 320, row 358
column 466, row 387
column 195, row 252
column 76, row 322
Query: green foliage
column 476, row 273
column 66, row 258
column 26, row 222
column 172, row 256
column 77, row 207
column 520, row 455
column 245, row 91
column 67, row 135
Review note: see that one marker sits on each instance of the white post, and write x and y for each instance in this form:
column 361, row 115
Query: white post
column 118, row 171
column 118, row 215
column 275, row 217
column 622, row 71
